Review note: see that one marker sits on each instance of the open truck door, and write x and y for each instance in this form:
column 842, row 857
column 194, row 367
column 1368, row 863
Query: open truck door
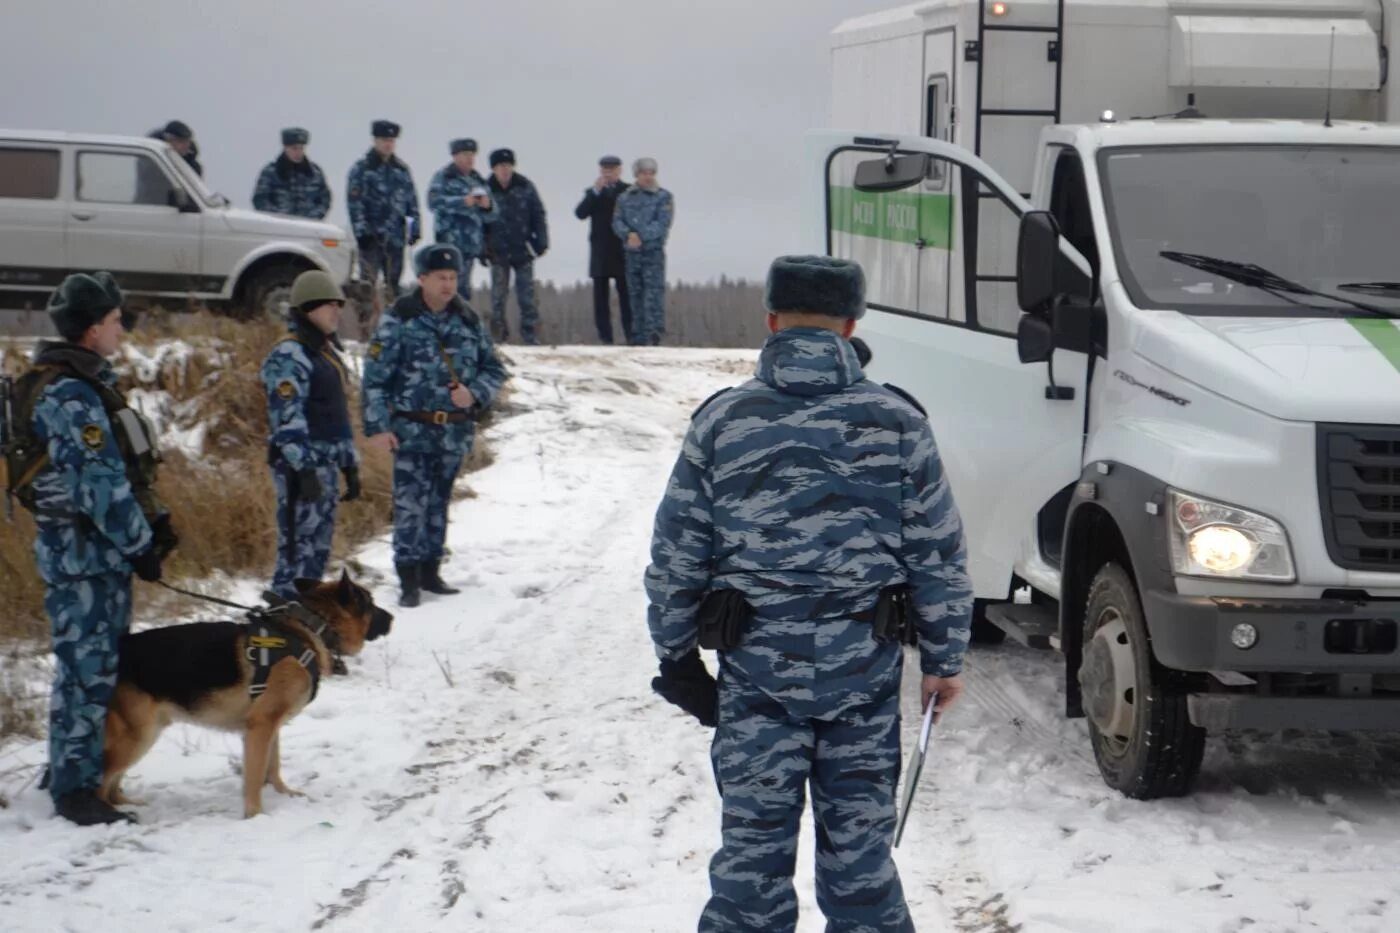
column 936, row 232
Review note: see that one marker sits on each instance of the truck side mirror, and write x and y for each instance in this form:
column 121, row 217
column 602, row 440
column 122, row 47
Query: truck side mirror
column 1037, row 262
column 892, row 172
column 1035, row 338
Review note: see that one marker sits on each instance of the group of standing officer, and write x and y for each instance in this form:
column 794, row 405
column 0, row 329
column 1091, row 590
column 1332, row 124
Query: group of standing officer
column 498, row 221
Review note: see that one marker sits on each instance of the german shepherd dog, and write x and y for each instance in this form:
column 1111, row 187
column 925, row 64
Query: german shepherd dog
column 204, row 673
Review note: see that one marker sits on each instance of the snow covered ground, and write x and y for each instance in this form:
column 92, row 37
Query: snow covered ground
column 499, row 763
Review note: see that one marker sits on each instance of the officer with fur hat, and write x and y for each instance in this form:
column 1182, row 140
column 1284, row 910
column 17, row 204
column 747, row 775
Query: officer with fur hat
column 642, row 220
column 513, row 243
column 292, row 184
column 429, row 372
column 816, row 499
column 462, row 208
column 383, row 205
column 84, row 464
column 309, row 442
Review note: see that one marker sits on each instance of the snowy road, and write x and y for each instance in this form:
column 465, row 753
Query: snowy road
column 499, row 763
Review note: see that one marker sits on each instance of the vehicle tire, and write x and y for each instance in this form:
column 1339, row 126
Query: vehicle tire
column 983, row 631
column 269, row 292
column 1144, row 742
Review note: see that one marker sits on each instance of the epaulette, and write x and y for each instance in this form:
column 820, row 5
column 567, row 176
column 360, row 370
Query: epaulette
column 701, row 407
column 907, row 397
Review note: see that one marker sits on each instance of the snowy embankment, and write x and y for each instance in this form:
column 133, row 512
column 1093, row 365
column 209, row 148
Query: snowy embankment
column 500, row 764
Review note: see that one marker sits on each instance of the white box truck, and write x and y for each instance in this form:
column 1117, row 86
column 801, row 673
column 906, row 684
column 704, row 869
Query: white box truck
column 1159, row 348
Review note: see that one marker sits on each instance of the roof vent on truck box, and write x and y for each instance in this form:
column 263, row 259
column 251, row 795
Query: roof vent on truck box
column 1209, row 50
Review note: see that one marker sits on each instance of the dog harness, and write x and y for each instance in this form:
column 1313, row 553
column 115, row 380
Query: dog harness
column 270, row 639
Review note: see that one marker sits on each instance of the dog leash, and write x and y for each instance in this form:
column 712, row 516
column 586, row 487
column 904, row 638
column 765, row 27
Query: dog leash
column 213, row 599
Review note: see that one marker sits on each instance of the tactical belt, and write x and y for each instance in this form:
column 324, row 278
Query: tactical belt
column 725, row 614
column 433, row 417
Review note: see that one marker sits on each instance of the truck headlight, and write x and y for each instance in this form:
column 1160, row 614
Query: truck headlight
column 1211, row 539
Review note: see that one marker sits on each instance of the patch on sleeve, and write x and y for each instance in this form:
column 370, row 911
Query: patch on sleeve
column 375, row 349
column 94, row 437
column 286, row 389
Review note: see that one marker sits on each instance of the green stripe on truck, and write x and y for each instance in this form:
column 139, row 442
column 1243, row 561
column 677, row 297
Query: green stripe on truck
column 1383, row 335
column 897, row 216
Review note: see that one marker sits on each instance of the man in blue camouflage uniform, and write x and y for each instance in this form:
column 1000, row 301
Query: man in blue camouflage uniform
column 642, row 220
column 513, row 243
column 431, row 369
column 310, row 441
column 462, row 208
column 383, row 207
column 292, row 184
column 98, row 520
column 808, row 490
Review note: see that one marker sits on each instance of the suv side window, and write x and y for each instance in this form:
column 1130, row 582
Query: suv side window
column 123, row 178
column 30, row 174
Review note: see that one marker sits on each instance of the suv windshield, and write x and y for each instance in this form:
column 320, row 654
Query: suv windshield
column 1320, row 217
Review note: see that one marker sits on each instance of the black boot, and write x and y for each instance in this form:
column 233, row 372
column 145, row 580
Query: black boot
column 83, row 807
column 409, row 595
column 432, row 579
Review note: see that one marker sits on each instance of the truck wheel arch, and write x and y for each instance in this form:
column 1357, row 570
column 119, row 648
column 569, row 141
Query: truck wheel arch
column 1115, row 517
column 258, row 267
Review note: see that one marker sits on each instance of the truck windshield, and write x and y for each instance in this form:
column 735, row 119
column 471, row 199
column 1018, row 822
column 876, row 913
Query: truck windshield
column 1319, row 219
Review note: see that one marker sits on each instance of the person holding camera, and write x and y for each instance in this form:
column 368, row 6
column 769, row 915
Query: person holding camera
column 605, row 260
column 383, row 204
column 462, row 208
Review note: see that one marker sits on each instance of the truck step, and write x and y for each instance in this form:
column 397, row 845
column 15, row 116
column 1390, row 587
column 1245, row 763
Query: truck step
column 1031, row 625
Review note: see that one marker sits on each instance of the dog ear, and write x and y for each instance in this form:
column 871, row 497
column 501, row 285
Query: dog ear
column 345, row 589
column 304, row 585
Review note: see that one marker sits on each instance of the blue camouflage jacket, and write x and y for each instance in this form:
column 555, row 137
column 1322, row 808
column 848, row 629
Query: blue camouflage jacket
column 85, row 479
column 407, row 370
column 295, row 188
column 453, row 221
column 381, row 198
column 809, row 489
column 647, row 213
column 308, row 425
column 522, row 232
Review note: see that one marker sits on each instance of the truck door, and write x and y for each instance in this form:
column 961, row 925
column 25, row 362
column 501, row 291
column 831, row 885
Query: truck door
column 950, row 340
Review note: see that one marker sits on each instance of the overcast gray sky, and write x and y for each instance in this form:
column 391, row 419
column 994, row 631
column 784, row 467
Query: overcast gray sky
column 720, row 91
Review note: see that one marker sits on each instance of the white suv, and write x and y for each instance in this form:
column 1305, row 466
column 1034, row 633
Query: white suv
column 130, row 205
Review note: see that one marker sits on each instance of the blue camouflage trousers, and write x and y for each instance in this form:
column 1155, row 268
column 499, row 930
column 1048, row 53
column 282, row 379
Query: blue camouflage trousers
column 524, row 297
column 422, row 495
column 88, row 617
column 384, row 259
column 767, row 750
column 646, row 286
column 307, row 550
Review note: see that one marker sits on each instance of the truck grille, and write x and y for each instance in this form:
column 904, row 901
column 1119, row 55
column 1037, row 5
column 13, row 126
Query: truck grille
column 1359, row 486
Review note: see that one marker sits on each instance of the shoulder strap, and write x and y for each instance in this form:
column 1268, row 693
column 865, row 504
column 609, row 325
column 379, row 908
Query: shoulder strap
column 705, row 404
column 907, row 397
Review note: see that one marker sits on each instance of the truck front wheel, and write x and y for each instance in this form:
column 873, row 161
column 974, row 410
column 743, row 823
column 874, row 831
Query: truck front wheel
column 1144, row 742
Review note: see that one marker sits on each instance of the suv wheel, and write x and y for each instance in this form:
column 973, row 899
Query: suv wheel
column 269, row 293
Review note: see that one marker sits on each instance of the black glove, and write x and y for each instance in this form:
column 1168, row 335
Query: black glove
column 368, row 243
column 413, row 233
column 485, row 261
column 305, row 485
column 688, row 684
column 352, row 484
column 147, row 565
column 163, row 536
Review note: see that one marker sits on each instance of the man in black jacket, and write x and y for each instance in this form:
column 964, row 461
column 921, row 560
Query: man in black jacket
column 178, row 136
column 605, row 260
column 513, row 243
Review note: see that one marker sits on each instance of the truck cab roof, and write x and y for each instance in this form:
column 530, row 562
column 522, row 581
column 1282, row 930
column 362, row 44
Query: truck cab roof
column 1205, row 132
